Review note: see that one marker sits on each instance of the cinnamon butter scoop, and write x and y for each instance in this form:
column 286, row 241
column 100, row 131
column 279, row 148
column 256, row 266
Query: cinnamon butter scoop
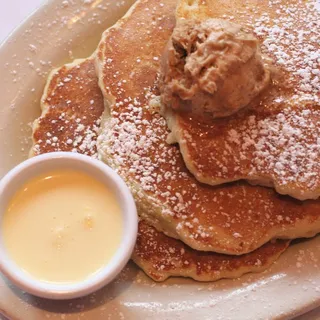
column 212, row 68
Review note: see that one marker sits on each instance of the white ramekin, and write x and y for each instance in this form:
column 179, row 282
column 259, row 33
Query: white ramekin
column 97, row 169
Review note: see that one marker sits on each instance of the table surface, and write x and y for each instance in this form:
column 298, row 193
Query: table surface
column 11, row 15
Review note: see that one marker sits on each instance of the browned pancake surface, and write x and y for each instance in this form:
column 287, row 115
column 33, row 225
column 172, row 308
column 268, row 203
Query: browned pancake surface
column 275, row 142
column 71, row 110
column 161, row 257
column 232, row 219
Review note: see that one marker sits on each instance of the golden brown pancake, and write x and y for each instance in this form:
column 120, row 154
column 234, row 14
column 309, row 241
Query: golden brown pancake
column 177, row 258
column 231, row 219
column 71, row 111
column 162, row 257
column 275, row 141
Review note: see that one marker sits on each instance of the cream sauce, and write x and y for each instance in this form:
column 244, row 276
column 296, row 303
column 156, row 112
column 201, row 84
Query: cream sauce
column 62, row 227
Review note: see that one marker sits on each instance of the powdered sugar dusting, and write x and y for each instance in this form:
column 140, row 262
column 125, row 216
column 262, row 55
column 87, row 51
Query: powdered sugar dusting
column 287, row 144
column 292, row 40
column 70, row 121
column 133, row 141
column 136, row 137
column 275, row 142
column 83, row 139
column 162, row 257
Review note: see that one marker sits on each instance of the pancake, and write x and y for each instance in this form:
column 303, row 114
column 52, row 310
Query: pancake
column 71, row 111
column 275, row 141
column 162, row 257
column 59, row 124
column 230, row 219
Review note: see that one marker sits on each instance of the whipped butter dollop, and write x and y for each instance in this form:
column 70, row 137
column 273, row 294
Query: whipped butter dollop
column 212, row 68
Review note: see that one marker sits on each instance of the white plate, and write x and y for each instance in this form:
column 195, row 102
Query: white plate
column 55, row 34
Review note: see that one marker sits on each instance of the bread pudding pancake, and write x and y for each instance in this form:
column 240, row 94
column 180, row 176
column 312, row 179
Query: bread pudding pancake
column 232, row 219
column 274, row 141
column 81, row 98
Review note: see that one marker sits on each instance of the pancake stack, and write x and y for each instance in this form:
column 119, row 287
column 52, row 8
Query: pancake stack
column 107, row 106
